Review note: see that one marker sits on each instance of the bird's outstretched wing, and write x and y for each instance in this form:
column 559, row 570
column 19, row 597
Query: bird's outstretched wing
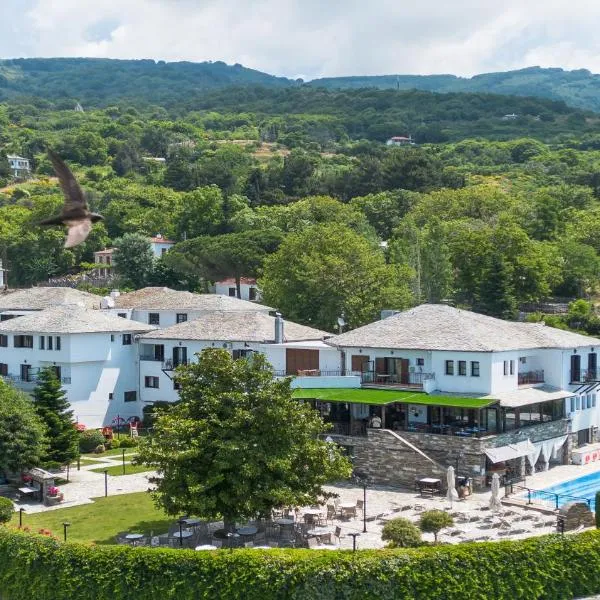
column 78, row 232
column 74, row 197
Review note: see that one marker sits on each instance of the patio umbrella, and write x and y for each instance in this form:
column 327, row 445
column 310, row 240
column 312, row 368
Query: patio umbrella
column 451, row 495
column 495, row 503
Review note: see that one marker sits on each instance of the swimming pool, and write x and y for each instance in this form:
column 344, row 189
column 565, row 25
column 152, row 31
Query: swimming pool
column 568, row 491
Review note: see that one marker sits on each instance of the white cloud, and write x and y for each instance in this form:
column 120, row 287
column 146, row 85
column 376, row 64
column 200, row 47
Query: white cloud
column 314, row 37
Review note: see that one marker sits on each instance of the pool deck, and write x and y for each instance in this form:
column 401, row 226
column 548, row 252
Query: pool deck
column 560, row 474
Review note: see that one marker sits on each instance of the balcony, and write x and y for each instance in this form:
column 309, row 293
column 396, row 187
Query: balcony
column 585, row 375
column 409, row 381
column 29, row 382
column 171, row 365
column 531, row 377
column 320, row 378
column 151, row 357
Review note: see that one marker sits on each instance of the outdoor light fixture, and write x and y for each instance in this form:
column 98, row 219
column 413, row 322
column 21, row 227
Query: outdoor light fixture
column 123, row 461
column 180, row 533
column 354, row 536
column 362, row 480
column 105, row 483
column 65, row 525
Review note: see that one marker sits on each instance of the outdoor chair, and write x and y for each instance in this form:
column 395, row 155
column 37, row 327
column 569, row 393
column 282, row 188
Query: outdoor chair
column 360, row 505
column 309, row 519
column 338, row 534
column 313, row 544
column 331, row 512
column 155, row 541
column 349, row 511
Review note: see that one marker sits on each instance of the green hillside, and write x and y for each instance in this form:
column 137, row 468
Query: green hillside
column 579, row 88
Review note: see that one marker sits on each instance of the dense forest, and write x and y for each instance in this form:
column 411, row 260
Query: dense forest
column 100, row 82
column 298, row 187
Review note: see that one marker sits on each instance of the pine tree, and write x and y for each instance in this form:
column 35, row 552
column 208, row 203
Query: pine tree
column 496, row 294
column 53, row 409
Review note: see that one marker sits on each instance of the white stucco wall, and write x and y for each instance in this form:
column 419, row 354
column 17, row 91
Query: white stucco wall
column 223, row 288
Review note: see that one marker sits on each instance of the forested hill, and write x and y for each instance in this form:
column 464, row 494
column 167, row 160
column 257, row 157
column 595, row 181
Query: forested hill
column 98, row 81
column 101, row 82
column 578, row 88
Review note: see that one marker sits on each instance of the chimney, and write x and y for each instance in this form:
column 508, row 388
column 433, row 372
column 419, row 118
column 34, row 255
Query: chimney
column 278, row 328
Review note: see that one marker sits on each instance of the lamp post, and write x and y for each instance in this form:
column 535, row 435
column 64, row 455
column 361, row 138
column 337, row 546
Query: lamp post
column 65, row 525
column 123, row 461
column 21, row 511
column 180, row 521
column 354, row 536
column 105, row 483
column 459, row 456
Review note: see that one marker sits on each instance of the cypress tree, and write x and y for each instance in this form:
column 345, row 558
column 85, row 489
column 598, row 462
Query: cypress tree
column 52, row 407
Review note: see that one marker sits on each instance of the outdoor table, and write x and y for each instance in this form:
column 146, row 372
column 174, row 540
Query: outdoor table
column 261, row 548
column 27, row 490
column 184, row 534
column 429, row 485
column 134, row 538
column 284, row 521
column 318, row 531
column 248, row 530
column 206, row 547
column 315, row 512
column 192, row 522
column 347, row 505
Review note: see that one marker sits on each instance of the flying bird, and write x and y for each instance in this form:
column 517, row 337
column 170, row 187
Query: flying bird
column 75, row 213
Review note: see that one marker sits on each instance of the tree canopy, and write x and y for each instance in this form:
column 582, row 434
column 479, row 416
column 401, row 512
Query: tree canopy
column 237, row 445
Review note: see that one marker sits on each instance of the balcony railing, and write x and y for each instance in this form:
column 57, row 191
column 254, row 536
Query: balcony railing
column 32, row 378
column 415, row 380
column 529, row 377
column 311, row 373
column 585, row 375
column 151, row 357
column 170, row 364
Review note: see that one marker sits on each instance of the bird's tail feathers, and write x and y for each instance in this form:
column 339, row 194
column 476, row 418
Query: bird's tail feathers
column 58, row 220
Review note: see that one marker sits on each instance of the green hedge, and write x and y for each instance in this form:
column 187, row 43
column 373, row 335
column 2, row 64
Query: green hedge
column 548, row 567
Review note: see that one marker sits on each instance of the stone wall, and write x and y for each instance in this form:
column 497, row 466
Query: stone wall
column 386, row 460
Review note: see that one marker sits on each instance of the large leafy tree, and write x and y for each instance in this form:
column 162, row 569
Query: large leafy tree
column 238, row 444
column 52, row 407
column 326, row 270
column 133, row 260
column 234, row 255
column 22, row 432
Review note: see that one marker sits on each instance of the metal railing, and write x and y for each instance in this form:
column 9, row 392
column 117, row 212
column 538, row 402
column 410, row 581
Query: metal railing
column 528, row 377
column 410, row 379
column 32, row 378
column 545, row 498
column 151, row 357
column 585, row 375
column 311, row 373
column 170, row 364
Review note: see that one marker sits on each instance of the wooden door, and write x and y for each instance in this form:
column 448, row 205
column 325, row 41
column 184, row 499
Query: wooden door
column 380, row 366
column 404, row 377
column 301, row 360
column 360, row 363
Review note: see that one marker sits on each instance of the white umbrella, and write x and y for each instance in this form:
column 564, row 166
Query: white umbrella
column 450, row 480
column 495, row 503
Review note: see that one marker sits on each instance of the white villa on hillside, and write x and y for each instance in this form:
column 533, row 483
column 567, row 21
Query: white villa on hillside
column 163, row 307
column 248, row 288
column 20, row 168
column 292, row 349
column 94, row 355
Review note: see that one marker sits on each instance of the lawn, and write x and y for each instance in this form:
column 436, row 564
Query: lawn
column 115, row 452
column 117, row 470
column 101, row 521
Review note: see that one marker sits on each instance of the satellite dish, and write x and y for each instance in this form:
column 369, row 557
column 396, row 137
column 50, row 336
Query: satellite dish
column 341, row 322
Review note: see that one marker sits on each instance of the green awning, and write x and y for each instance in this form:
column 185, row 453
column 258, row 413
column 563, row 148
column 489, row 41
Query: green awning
column 382, row 397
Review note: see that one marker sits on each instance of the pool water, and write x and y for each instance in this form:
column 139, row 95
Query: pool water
column 583, row 487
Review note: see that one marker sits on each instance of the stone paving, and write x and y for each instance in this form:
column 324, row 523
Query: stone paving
column 473, row 519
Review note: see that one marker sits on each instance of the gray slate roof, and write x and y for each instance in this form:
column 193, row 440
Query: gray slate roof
column 441, row 327
column 236, row 326
column 164, row 298
column 39, row 298
column 71, row 319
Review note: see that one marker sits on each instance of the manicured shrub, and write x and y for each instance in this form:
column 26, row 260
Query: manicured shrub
column 129, row 442
column 90, row 439
column 598, row 509
column 552, row 567
column 6, row 510
column 401, row 533
column 113, row 444
column 99, row 449
column 433, row 521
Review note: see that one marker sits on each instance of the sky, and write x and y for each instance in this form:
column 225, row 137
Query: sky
column 313, row 38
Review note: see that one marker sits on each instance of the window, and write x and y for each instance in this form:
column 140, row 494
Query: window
column 126, row 339
column 58, row 342
column 7, row 317
column 572, row 403
column 462, row 367
column 181, row 317
column 252, row 293
column 3, row 341
column 163, row 251
column 578, row 402
column 130, row 396
column 589, row 401
column 110, row 396
column 122, row 315
column 176, row 385
column 593, row 400
column 23, row 341
column 50, row 340
column 512, row 367
column 420, row 362
column 3, row 369
column 506, row 367
column 232, row 292
column 153, row 319
column 112, row 337
column 474, row 368
column 57, row 372
column 42, row 342
column 449, row 367
column 151, row 382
